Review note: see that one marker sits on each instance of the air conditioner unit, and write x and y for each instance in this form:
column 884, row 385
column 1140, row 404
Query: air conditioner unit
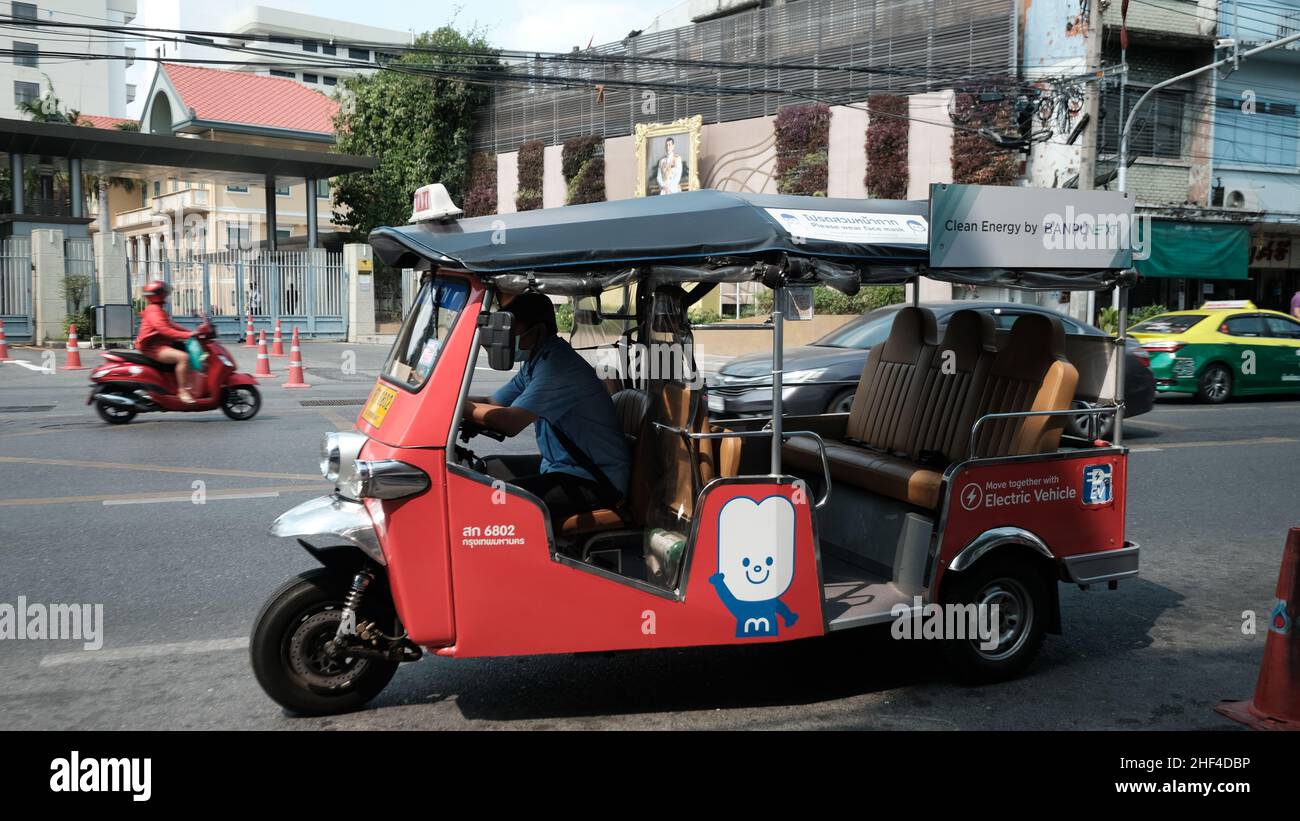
column 1241, row 200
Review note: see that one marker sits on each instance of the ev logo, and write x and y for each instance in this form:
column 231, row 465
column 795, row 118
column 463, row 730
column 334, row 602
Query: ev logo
column 1096, row 485
column 1280, row 620
column 971, row 496
column 1248, row 363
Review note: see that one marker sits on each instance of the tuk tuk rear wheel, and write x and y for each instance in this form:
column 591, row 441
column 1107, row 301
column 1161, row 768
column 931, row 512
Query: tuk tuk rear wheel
column 287, row 648
column 1019, row 589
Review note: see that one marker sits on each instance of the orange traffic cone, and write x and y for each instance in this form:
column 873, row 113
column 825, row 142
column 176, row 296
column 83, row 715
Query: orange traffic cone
column 4, row 346
column 73, row 360
column 263, row 361
column 277, row 344
column 250, row 336
column 1276, row 705
column 295, row 364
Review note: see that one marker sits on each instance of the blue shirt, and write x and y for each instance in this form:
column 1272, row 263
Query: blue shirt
column 562, row 390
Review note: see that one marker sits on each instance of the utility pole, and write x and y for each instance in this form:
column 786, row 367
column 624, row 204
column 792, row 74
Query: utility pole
column 1091, row 112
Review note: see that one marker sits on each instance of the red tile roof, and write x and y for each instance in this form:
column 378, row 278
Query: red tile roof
column 251, row 99
column 103, row 120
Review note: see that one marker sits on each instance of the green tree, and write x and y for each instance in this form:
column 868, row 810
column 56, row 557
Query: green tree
column 417, row 120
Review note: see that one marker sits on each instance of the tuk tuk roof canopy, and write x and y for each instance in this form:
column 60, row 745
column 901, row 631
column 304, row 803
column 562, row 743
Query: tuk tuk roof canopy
column 699, row 236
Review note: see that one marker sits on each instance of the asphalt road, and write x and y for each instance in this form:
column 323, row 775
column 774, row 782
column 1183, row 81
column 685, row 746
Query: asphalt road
column 100, row 514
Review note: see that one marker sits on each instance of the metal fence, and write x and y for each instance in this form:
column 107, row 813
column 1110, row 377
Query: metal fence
column 901, row 46
column 306, row 289
column 16, row 287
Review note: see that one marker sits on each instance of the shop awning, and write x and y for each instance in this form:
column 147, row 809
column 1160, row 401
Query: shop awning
column 1196, row 250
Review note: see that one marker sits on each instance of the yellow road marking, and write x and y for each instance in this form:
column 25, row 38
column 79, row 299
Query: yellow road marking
column 189, row 471
column 155, row 494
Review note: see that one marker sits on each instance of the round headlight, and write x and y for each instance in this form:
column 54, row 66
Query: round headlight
column 330, row 456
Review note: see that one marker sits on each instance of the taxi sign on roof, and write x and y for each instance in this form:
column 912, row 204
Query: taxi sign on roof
column 1219, row 304
column 432, row 202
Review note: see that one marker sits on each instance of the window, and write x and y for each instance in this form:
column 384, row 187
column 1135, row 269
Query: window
column 323, row 189
column 24, row 14
column 1280, row 326
column 358, row 54
column 157, row 188
column 1158, row 130
column 282, row 190
column 1004, row 318
column 130, row 57
column 329, row 81
column 275, row 72
column 1244, row 326
column 1168, row 324
column 25, row 92
column 237, row 189
column 310, row 78
column 144, row 197
column 237, row 236
column 309, row 45
column 25, row 54
column 130, row 92
column 383, row 57
column 288, row 41
column 324, row 49
column 1268, row 136
column 427, row 326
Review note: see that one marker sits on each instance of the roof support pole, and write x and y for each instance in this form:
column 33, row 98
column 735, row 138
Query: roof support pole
column 74, row 187
column 270, row 213
column 16, row 175
column 311, row 213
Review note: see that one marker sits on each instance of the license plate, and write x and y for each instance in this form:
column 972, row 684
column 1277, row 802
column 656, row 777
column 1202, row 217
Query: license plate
column 717, row 404
column 381, row 399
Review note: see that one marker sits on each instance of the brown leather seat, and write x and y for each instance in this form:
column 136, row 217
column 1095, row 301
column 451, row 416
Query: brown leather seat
column 887, row 392
column 925, row 424
column 632, row 408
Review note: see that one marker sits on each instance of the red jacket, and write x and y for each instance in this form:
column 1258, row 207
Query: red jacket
column 157, row 328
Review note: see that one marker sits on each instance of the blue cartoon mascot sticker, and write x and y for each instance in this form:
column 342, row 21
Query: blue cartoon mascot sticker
column 756, row 563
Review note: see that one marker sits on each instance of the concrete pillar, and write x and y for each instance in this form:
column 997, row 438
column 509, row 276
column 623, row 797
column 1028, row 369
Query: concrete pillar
column 49, row 302
column 16, row 179
column 110, row 261
column 359, row 267
column 311, row 213
column 74, row 187
column 270, row 213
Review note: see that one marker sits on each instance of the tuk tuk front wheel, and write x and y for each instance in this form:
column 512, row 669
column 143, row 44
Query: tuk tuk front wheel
column 288, row 652
column 1018, row 589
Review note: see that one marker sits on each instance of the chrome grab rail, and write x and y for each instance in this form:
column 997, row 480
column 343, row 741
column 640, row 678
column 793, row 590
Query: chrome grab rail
column 753, row 434
column 974, row 431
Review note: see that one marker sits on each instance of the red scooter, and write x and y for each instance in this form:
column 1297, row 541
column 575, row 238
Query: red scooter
column 128, row 383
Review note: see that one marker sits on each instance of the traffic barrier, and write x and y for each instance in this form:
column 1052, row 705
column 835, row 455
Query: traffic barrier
column 4, row 346
column 263, row 361
column 72, row 361
column 250, row 338
column 277, row 344
column 295, row 364
column 1276, row 705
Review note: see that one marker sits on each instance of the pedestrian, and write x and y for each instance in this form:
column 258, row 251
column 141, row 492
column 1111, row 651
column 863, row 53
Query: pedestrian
column 1295, row 305
column 291, row 299
column 254, row 300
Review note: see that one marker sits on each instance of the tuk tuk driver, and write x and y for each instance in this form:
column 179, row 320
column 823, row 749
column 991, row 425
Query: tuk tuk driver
column 583, row 462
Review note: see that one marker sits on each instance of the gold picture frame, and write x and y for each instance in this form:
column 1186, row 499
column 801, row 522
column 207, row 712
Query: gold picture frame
column 651, row 147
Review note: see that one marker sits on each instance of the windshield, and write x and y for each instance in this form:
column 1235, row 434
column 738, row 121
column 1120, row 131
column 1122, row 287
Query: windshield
column 869, row 330
column 436, row 309
column 1167, row 324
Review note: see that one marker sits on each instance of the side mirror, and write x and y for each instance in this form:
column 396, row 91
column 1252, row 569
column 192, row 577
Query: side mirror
column 497, row 336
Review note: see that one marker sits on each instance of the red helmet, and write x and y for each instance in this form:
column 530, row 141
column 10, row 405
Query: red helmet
column 157, row 291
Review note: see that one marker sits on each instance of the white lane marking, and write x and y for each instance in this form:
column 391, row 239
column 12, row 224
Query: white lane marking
column 145, row 651
column 211, row 497
column 29, row 366
column 1144, row 450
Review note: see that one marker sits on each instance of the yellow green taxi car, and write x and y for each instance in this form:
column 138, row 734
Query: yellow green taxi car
column 1223, row 349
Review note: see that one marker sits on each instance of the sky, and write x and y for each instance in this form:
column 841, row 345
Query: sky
column 542, row 25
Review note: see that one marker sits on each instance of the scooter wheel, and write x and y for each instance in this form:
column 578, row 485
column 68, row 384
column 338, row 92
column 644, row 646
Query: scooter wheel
column 241, row 402
column 114, row 414
column 288, row 655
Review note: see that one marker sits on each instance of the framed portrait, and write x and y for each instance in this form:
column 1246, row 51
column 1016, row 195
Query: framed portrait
column 667, row 157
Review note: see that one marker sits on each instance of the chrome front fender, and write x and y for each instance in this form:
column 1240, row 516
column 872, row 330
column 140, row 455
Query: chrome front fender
column 331, row 516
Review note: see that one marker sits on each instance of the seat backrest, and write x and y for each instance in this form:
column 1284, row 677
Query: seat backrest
column 1031, row 373
column 631, row 407
column 960, row 365
column 889, row 388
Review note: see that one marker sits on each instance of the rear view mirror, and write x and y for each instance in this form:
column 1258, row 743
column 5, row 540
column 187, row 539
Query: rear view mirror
column 497, row 335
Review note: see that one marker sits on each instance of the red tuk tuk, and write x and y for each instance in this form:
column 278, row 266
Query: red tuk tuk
column 946, row 483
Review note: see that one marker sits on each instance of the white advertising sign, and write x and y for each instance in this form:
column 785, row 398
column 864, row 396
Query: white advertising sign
column 849, row 226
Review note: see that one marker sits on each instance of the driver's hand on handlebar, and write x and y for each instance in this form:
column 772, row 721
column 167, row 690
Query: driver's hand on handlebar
column 505, row 419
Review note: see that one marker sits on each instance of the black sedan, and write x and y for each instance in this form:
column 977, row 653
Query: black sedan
column 822, row 377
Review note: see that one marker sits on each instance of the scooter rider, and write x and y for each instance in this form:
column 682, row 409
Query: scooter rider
column 158, row 332
column 584, row 462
